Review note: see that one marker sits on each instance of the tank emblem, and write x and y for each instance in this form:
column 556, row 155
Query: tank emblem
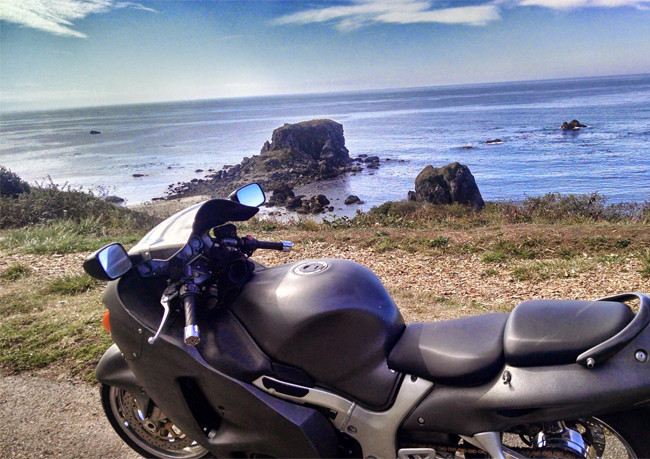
column 310, row 267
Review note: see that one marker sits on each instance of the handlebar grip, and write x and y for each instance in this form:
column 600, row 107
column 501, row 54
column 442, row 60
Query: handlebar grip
column 191, row 331
column 283, row 246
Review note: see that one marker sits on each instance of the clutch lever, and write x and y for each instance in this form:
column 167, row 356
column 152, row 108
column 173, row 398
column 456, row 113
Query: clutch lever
column 168, row 295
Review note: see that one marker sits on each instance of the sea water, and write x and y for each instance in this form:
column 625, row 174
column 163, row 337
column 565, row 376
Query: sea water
column 407, row 128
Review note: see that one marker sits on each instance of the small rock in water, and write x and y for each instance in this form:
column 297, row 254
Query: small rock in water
column 352, row 199
column 138, row 175
column 572, row 125
column 93, row 132
column 494, row 141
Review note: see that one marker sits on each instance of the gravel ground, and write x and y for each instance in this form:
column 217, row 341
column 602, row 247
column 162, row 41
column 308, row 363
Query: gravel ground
column 43, row 417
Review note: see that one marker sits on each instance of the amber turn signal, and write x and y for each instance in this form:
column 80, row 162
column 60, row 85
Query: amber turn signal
column 106, row 321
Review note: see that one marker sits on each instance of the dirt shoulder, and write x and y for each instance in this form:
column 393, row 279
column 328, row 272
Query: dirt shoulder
column 43, row 417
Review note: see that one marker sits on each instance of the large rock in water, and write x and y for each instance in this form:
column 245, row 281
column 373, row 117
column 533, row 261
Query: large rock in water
column 448, row 184
column 316, row 148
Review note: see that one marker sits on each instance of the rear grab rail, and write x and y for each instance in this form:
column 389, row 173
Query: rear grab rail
column 606, row 349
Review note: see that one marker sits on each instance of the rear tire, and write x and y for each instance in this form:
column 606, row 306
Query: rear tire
column 624, row 434
column 633, row 427
column 153, row 436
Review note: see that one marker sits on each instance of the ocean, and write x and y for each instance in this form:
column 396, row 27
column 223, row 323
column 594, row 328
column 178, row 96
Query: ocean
column 411, row 128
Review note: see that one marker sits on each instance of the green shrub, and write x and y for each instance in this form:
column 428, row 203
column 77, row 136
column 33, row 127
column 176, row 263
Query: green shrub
column 437, row 242
column 10, row 184
column 644, row 258
column 572, row 207
column 15, row 272
column 46, row 203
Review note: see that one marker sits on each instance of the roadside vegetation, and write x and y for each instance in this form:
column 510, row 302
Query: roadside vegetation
column 438, row 262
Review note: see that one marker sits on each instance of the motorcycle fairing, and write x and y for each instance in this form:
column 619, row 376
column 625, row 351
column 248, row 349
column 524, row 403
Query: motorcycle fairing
column 241, row 418
column 168, row 236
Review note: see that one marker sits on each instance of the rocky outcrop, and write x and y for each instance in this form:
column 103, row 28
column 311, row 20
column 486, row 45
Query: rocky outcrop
column 284, row 196
column 446, row 185
column 297, row 154
column 572, row 125
column 280, row 195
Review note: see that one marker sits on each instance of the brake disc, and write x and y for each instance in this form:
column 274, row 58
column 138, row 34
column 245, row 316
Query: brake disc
column 157, row 429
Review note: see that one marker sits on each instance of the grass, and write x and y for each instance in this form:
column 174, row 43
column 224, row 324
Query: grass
column 644, row 258
column 15, row 272
column 67, row 236
column 72, row 284
column 53, row 324
column 548, row 269
column 415, row 304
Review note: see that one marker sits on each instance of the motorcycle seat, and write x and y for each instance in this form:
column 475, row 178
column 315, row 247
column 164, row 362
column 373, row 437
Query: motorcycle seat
column 556, row 332
column 466, row 351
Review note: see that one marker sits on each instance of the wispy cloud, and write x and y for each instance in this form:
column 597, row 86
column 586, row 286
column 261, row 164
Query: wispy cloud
column 56, row 16
column 573, row 4
column 364, row 12
column 360, row 13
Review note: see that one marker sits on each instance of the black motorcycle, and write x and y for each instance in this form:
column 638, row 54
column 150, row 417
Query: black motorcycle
column 218, row 355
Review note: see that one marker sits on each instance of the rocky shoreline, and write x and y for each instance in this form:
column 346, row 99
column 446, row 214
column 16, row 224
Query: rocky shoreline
column 313, row 152
column 299, row 155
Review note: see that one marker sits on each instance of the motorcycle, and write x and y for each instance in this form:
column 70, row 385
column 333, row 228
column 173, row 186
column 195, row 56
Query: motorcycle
column 217, row 355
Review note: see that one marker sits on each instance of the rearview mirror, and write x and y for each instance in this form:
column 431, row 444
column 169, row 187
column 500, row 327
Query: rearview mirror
column 108, row 263
column 249, row 195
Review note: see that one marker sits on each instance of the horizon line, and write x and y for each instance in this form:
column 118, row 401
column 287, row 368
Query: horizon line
column 317, row 93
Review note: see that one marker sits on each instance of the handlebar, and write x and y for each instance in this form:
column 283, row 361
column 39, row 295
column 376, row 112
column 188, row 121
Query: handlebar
column 189, row 290
column 284, row 246
column 188, row 294
column 249, row 244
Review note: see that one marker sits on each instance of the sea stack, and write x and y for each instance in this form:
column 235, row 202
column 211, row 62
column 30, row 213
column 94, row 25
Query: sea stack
column 446, row 185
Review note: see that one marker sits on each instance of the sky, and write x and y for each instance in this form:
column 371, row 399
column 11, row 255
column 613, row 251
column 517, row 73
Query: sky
column 73, row 53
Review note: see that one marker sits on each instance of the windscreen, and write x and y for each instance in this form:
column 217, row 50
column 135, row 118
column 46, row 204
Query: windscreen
column 170, row 235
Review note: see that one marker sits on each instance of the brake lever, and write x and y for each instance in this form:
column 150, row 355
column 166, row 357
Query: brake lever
column 169, row 294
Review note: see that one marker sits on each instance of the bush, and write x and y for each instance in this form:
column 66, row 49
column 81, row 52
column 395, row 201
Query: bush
column 571, row 207
column 10, row 184
column 46, row 203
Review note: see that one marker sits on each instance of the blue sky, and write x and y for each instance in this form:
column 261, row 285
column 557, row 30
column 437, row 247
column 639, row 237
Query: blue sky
column 69, row 53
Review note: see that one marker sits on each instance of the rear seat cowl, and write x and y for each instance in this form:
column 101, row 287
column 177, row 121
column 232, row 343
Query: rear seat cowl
column 555, row 332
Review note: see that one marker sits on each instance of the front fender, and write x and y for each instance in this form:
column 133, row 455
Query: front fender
column 113, row 370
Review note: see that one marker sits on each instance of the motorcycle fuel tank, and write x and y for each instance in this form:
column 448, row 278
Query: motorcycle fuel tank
column 331, row 318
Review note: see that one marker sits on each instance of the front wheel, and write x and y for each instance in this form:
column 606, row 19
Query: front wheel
column 148, row 431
